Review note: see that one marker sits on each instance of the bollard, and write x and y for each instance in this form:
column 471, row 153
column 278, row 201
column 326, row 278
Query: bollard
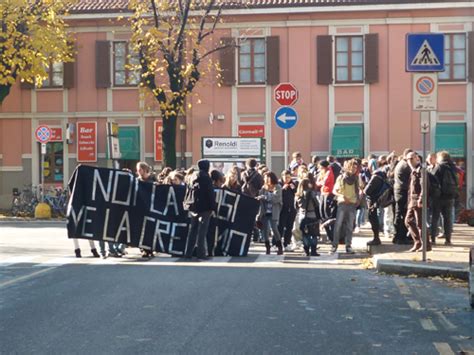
column 471, row 277
column 43, row 211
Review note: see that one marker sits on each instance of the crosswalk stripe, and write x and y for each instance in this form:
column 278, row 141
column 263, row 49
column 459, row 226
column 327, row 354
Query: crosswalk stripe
column 443, row 348
column 58, row 262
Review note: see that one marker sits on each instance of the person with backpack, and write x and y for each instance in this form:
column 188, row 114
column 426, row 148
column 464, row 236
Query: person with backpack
column 445, row 173
column 308, row 215
column 270, row 198
column 200, row 201
column 378, row 192
column 335, row 166
column 346, row 190
column 400, row 189
column 413, row 218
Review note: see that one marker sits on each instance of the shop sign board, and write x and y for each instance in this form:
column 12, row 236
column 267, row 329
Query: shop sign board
column 56, row 134
column 158, row 139
column 87, row 142
column 231, row 147
column 251, row 131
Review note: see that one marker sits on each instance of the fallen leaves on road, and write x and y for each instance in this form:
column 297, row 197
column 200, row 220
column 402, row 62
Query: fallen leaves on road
column 367, row 263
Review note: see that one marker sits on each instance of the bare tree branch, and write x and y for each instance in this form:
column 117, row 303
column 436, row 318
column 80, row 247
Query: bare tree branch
column 184, row 21
column 203, row 35
column 155, row 14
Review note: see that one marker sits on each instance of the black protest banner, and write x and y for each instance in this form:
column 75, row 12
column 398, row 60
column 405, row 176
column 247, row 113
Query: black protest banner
column 113, row 206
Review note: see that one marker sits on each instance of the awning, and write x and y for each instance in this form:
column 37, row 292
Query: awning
column 129, row 139
column 452, row 138
column 347, row 141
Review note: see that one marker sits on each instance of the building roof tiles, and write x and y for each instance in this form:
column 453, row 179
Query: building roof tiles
column 107, row 6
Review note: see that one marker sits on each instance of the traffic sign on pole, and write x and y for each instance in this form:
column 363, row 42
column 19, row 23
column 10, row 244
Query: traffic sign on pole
column 424, row 52
column 286, row 117
column 425, row 92
column 43, row 134
column 285, row 94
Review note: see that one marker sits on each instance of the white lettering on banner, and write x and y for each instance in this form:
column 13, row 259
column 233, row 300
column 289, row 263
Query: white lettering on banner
column 85, row 221
column 173, row 237
column 171, row 201
column 98, row 180
column 130, row 185
column 142, row 235
column 158, row 232
column 106, row 227
column 76, row 218
column 228, row 209
column 242, row 244
column 136, row 192
column 125, row 221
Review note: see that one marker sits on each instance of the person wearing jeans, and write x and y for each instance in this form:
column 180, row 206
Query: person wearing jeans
column 270, row 198
column 346, row 190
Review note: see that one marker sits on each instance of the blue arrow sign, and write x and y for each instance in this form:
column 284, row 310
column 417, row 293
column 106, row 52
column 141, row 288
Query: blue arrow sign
column 425, row 52
column 286, row 117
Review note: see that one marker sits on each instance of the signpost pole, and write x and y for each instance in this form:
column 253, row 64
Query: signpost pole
column 286, row 149
column 424, row 209
column 43, row 152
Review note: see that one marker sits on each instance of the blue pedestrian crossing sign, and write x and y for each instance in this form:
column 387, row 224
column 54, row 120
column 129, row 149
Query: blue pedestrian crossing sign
column 286, row 117
column 425, row 52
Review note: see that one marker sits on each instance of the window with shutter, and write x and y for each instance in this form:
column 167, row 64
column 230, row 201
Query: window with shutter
column 227, row 61
column 454, row 57
column 470, row 56
column 349, row 59
column 273, row 60
column 252, row 61
column 371, row 58
column 125, row 62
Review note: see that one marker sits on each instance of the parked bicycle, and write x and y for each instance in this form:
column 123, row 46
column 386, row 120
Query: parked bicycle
column 24, row 202
column 56, row 198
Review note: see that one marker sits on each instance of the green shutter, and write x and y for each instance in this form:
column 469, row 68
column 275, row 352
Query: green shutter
column 129, row 139
column 347, row 141
column 452, row 138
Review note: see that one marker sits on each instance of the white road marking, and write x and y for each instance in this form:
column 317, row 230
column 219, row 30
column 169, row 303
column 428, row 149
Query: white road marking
column 445, row 321
column 443, row 348
column 414, row 305
column 402, row 287
column 427, row 324
column 25, row 277
column 58, row 262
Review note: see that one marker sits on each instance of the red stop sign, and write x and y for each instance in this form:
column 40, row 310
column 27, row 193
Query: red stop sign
column 286, row 94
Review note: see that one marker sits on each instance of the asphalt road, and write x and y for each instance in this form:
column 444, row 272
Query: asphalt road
column 93, row 306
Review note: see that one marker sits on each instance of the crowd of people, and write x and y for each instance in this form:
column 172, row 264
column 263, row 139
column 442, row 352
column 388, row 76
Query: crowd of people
column 323, row 201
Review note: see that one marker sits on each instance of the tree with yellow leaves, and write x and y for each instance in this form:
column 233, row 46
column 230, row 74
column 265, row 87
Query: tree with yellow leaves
column 33, row 35
column 173, row 39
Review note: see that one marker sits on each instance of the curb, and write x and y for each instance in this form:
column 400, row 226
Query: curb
column 406, row 268
column 13, row 220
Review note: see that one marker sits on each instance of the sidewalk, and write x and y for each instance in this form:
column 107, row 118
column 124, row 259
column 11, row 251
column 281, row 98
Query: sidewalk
column 443, row 261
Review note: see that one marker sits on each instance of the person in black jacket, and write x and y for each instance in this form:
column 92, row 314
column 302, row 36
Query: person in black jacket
column 203, row 204
column 445, row 172
column 288, row 210
column 400, row 192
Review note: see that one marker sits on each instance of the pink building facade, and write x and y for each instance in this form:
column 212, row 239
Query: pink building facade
column 346, row 60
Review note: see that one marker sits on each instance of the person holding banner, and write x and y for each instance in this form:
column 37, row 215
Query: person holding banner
column 145, row 174
column 200, row 201
column 271, row 202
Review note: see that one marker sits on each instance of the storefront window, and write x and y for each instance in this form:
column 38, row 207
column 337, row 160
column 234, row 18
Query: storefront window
column 53, row 163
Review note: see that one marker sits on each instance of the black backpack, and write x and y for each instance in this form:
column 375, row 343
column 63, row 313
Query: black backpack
column 450, row 185
column 192, row 196
column 434, row 188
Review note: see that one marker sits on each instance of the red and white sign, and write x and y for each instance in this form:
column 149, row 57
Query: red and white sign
column 425, row 91
column 43, row 134
column 158, row 140
column 87, row 142
column 285, row 94
column 252, row 131
column 57, row 134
